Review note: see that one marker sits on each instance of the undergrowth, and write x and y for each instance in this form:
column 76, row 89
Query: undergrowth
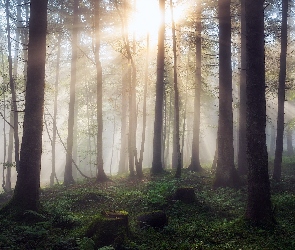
column 213, row 221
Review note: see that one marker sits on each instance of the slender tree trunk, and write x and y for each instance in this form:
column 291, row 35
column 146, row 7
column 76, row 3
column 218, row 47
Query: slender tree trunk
column 89, row 146
column 68, row 175
column 53, row 173
column 168, row 128
column 126, row 81
column 258, row 209
column 13, row 92
column 195, row 159
column 289, row 135
column 28, row 179
column 113, row 141
column 9, row 154
column 281, row 95
column 272, row 147
column 176, row 149
column 226, row 175
column 157, row 166
column 139, row 172
column 123, row 150
column 242, row 155
column 184, row 127
column 4, row 139
column 101, row 176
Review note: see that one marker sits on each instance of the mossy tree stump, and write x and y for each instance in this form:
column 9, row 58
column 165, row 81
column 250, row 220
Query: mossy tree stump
column 109, row 228
column 185, row 194
column 155, row 219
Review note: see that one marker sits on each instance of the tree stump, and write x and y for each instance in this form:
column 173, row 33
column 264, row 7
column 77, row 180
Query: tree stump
column 155, row 219
column 185, row 194
column 109, row 228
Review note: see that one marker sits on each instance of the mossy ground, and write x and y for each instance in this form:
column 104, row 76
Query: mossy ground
column 213, row 221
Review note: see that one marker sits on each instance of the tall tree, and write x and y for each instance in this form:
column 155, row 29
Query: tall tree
column 54, row 126
column 177, row 163
column 101, row 176
column 13, row 91
column 157, row 166
column 139, row 161
column 123, row 150
column 26, row 193
column 195, row 159
column 226, row 175
column 242, row 155
column 132, row 151
column 68, row 175
column 281, row 95
column 258, row 204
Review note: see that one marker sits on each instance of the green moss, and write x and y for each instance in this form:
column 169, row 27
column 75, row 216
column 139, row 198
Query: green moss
column 107, row 230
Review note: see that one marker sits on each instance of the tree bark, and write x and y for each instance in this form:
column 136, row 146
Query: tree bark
column 289, row 135
column 54, row 127
column 26, row 193
column 101, row 176
column 176, row 163
column 157, row 166
column 123, row 151
column 139, row 171
column 258, row 209
column 13, row 92
column 242, row 155
column 226, row 175
column 195, row 159
column 68, row 175
column 281, row 95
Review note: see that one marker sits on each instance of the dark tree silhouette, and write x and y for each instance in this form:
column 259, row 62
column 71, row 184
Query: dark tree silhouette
column 101, row 176
column 26, row 193
column 281, row 95
column 195, row 160
column 226, row 175
column 68, row 175
column 242, row 155
column 258, row 205
column 157, row 166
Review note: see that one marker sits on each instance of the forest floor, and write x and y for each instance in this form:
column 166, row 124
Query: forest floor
column 213, row 221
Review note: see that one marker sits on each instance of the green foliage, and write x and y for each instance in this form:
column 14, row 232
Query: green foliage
column 159, row 191
column 85, row 243
column 9, row 164
column 213, row 221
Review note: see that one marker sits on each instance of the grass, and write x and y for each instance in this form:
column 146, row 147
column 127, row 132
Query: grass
column 213, row 221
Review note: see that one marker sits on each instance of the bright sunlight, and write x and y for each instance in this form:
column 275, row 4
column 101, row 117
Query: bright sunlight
column 146, row 18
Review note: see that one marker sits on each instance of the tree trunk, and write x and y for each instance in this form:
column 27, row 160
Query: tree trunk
column 53, row 173
column 272, row 147
column 290, row 150
column 26, row 193
column 9, row 153
column 139, row 172
column 176, row 149
column 123, row 151
column 157, row 166
column 258, row 205
column 68, row 175
column 242, row 155
column 195, row 159
column 13, row 92
column 281, row 95
column 101, row 176
column 226, row 175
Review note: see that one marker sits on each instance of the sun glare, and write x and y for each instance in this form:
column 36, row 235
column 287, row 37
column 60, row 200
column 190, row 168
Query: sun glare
column 146, row 19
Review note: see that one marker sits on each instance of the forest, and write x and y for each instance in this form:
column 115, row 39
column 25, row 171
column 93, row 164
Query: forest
column 147, row 124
